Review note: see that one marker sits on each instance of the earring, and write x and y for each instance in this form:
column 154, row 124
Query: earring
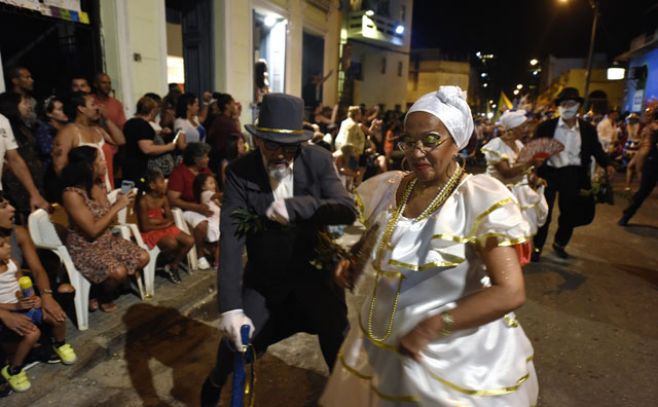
column 404, row 165
column 460, row 160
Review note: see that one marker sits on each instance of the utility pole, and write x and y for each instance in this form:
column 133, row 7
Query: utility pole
column 590, row 56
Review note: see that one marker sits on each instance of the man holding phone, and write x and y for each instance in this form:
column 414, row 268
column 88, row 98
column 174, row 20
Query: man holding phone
column 140, row 145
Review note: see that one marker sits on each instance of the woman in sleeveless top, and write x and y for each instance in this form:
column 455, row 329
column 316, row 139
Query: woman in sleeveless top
column 189, row 118
column 102, row 257
column 84, row 131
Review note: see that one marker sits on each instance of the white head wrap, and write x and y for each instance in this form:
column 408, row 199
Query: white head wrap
column 511, row 119
column 449, row 105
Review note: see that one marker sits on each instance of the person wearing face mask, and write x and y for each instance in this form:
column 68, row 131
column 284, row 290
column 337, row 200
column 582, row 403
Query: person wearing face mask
column 293, row 188
column 568, row 172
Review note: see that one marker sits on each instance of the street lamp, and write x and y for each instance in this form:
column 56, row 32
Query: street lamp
column 590, row 56
column 519, row 86
column 534, row 62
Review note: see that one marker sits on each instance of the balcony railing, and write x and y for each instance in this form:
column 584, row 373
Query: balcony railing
column 369, row 26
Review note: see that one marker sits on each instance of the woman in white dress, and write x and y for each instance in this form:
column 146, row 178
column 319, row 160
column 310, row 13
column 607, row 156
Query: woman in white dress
column 501, row 154
column 437, row 328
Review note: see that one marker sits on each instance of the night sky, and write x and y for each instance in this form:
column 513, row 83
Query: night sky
column 516, row 31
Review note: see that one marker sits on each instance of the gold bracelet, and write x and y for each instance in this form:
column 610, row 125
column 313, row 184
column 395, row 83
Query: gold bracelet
column 448, row 322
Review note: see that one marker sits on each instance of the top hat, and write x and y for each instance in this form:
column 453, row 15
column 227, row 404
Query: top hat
column 280, row 119
column 569, row 94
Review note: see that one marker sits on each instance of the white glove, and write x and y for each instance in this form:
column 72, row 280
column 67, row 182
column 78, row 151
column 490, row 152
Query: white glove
column 230, row 325
column 278, row 212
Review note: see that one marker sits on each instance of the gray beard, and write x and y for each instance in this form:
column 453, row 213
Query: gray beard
column 278, row 171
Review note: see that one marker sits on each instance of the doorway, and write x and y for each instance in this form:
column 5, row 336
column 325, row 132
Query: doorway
column 312, row 71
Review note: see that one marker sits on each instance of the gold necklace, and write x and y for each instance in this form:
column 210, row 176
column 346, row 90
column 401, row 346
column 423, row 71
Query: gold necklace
column 438, row 200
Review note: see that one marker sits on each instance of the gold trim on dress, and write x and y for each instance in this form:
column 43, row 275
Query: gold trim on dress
column 510, row 321
column 361, row 208
column 491, row 392
column 341, row 358
column 471, row 392
column 424, row 267
column 388, row 397
column 480, row 217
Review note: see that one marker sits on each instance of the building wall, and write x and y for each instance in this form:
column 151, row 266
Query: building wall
column 649, row 58
column 380, row 86
column 234, row 46
column 134, row 45
column 432, row 74
column 575, row 78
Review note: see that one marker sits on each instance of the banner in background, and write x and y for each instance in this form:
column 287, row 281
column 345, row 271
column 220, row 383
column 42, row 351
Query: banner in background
column 68, row 10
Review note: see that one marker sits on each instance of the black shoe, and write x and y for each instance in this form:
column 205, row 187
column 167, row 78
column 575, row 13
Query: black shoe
column 171, row 275
column 210, row 394
column 560, row 252
column 42, row 354
column 623, row 221
column 536, row 255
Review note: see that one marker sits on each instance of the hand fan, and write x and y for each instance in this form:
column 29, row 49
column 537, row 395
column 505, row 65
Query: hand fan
column 540, row 148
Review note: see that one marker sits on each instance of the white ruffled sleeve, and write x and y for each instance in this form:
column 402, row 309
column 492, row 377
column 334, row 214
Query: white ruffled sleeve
column 493, row 151
column 492, row 211
column 377, row 194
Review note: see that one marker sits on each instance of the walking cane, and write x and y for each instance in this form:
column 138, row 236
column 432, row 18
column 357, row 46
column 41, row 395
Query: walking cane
column 241, row 386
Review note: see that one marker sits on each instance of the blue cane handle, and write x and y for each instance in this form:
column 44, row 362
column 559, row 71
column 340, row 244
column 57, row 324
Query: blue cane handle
column 237, row 395
column 244, row 335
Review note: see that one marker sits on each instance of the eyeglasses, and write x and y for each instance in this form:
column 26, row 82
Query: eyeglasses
column 426, row 144
column 274, row 146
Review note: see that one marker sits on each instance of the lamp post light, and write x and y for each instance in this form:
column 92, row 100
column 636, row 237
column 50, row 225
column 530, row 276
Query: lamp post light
column 590, row 56
column 534, row 61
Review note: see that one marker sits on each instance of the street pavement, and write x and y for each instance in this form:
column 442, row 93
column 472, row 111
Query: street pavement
column 592, row 321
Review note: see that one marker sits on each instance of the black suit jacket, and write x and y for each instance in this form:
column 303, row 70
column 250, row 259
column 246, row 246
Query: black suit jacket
column 278, row 256
column 589, row 145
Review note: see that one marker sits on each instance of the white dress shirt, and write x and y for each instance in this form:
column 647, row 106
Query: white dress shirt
column 282, row 189
column 570, row 137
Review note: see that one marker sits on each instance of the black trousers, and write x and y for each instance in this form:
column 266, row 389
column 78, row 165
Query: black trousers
column 315, row 308
column 647, row 184
column 565, row 184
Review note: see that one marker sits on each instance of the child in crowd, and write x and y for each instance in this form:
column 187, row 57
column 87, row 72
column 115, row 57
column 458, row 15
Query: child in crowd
column 11, row 299
column 206, row 192
column 347, row 165
column 156, row 223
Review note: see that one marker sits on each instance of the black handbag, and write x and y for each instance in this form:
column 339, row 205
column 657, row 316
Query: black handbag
column 603, row 191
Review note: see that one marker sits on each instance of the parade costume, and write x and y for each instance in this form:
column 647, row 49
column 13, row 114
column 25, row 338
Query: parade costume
column 532, row 203
column 567, row 173
column 422, row 268
column 426, row 267
column 279, row 292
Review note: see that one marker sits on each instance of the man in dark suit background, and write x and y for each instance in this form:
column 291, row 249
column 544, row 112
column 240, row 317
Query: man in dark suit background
column 567, row 172
column 294, row 188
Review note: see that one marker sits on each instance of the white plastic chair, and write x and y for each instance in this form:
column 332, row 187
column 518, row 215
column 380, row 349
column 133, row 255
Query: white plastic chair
column 45, row 236
column 180, row 223
column 131, row 229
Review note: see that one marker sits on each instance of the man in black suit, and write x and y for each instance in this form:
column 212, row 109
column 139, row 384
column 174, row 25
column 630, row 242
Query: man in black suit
column 294, row 189
column 568, row 172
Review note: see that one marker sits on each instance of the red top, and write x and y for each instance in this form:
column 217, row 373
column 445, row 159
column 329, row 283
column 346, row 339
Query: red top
column 182, row 179
column 113, row 110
